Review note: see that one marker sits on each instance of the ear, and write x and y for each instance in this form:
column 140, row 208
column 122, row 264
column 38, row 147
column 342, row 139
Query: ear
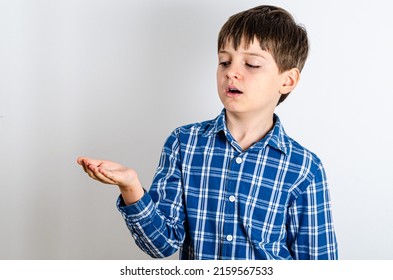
column 290, row 79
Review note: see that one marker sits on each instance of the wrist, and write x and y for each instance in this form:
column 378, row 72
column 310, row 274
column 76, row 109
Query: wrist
column 131, row 192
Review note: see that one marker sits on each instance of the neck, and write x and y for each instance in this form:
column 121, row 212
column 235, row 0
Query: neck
column 248, row 129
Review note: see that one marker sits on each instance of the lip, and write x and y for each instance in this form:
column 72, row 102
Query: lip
column 233, row 91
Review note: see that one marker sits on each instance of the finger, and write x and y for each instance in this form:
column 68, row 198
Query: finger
column 95, row 162
column 85, row 165
column 79, row 160
column 90, row 170
column 85, row 161
column 111, row 176
column 98, row 175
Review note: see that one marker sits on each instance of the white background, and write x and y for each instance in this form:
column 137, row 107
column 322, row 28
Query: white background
column 112, row 78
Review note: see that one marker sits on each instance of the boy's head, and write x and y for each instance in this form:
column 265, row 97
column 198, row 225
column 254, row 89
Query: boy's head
column 276, row 31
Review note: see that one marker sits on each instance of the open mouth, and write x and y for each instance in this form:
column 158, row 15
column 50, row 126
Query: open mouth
column 233, row 90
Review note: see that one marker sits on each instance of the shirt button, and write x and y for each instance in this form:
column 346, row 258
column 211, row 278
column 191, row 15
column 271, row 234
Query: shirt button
column 239, row 160
column 229, row 237
column 232, row 198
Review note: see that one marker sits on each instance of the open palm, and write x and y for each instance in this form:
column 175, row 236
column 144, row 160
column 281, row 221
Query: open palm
column 108, row 172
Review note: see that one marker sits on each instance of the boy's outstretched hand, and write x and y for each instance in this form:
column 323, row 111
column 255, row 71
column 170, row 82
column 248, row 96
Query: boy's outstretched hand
column 109, row 172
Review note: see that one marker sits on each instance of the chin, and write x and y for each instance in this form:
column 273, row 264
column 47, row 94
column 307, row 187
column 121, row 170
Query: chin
column 234, row 109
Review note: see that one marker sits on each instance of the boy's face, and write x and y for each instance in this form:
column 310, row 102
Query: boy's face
column 249, row 81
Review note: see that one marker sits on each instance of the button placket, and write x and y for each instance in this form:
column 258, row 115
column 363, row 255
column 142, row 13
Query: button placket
column 230, row 205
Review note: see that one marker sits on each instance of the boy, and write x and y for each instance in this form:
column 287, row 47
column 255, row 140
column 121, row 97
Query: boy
column 236, row 187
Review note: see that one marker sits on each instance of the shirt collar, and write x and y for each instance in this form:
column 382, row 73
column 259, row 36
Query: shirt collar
column 275, row 138
column 220, row 123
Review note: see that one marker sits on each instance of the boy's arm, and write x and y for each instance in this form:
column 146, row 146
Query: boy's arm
column 311, row 232
column 156, row 221
column 155, row 218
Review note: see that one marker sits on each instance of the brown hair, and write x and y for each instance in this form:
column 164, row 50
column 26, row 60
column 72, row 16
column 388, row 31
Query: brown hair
column 276, row 31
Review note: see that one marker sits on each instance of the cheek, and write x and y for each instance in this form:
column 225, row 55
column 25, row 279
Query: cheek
column 219, row 74
column 218, row 81
column 220, row 77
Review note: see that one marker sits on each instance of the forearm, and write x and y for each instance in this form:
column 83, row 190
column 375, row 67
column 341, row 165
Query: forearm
column 156, row 218
column 153, row 233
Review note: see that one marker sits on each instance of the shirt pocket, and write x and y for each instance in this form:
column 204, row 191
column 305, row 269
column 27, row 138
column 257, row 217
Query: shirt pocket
column 264, row 221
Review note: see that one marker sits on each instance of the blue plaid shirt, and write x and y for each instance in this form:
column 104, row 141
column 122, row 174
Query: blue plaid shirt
column 212, row 200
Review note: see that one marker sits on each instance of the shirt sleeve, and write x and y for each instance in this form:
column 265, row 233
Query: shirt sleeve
column 156, row 221
column 311, row 234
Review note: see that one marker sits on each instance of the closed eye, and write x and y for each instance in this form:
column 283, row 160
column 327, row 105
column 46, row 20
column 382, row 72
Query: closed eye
column 225, row 63
column 252, row 66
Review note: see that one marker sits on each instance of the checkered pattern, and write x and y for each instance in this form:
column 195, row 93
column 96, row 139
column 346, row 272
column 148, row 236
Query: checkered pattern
column 211, row 200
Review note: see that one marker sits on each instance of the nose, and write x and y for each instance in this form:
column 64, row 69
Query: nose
column 233, row 72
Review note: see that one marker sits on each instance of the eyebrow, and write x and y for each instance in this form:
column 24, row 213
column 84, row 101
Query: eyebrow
column 247, row 53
